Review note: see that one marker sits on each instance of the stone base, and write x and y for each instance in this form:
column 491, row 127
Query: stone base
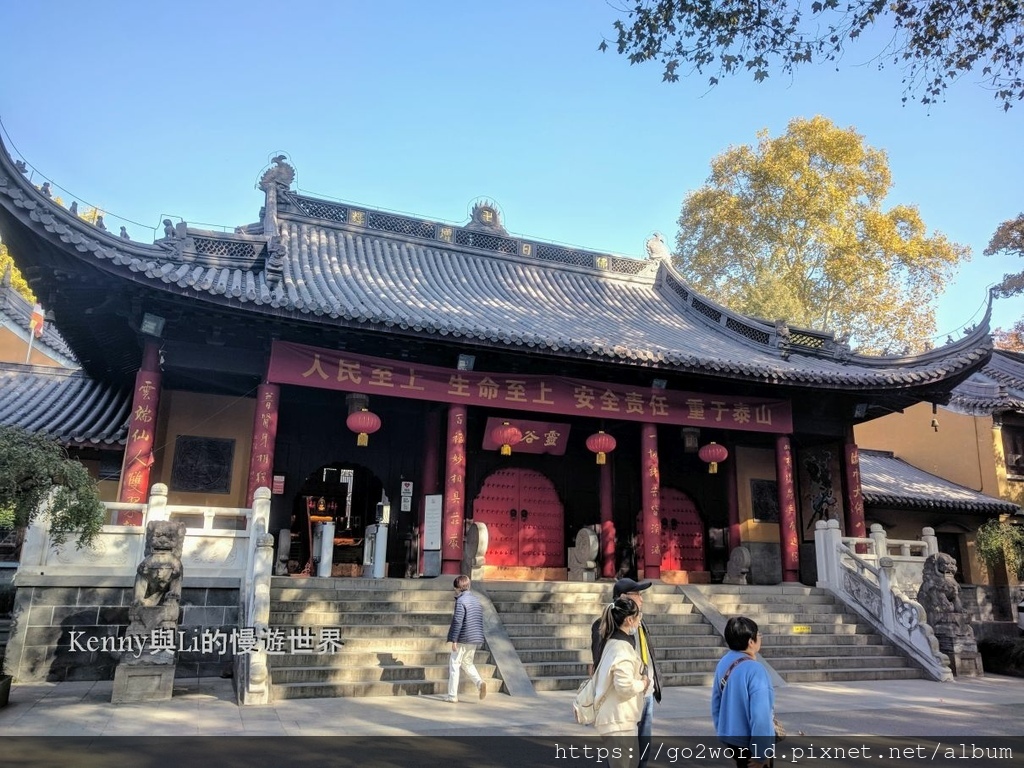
column 583, row 574
column 966, row 664
column 142, row 682
column 345, row 570
column 685, row 577
column 522, row 573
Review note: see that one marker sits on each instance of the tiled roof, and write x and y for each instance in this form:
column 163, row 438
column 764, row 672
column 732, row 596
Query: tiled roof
column 356, row 267
column 67, row 405
column 997, row 387
column 891, row 482
column 18, row 311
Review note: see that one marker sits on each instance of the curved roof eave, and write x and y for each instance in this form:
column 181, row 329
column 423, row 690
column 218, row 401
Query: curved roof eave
column 354, row 276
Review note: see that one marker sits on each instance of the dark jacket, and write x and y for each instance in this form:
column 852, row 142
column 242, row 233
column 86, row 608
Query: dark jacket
column 597, row 645
column 467, row 621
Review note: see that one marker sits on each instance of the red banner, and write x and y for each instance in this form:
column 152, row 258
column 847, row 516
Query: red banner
column 538, row 436
column 306, row 366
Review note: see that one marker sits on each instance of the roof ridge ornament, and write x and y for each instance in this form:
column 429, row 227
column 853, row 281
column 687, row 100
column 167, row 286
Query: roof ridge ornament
column 485, row 216
column 656, row 247
column 275, row 180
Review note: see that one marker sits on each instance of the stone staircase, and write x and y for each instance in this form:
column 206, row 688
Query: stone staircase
column 809, row 637
column 394, row 632
column 549, row 626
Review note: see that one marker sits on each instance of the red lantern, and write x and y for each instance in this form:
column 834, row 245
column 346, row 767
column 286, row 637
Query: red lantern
column 365, row 423
column 602, row 444
column 713, row 454
column 506, row 435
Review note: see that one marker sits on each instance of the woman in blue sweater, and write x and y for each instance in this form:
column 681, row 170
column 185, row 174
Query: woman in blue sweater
column 742, row 697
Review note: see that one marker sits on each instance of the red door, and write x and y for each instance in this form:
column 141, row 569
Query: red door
column 524, row 519
column 682, row 533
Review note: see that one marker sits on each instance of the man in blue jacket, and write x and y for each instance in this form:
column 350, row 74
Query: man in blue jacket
column 466, row 634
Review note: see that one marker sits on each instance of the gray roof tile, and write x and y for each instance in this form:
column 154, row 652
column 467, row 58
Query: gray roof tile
column 64, row 404
column 891, row 482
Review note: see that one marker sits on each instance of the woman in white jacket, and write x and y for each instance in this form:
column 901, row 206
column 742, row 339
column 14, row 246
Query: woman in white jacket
column 621, row 683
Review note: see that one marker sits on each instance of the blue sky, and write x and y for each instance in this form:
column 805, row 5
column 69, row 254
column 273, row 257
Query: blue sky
column 151, row 110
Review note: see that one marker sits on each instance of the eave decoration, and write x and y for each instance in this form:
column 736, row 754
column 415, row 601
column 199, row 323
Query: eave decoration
column 602, row 444
column 714, row 454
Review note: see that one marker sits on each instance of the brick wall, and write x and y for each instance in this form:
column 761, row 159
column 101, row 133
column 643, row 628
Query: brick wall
column 59, row 628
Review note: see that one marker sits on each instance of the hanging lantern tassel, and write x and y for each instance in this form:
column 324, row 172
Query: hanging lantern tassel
column 713, row 454
column 506, row 435
column 602, row 444
column 364, row 423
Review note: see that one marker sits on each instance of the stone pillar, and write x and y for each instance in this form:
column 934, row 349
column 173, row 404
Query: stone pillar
column 608, row 564
column 264, row 435
column 854, row 497
column 454, row 491
column 789, row 538
column 650, row 486
column 138, row 453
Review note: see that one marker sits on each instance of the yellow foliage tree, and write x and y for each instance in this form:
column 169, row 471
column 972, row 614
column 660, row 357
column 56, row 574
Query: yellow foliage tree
column 18, row 282
column 794, row 229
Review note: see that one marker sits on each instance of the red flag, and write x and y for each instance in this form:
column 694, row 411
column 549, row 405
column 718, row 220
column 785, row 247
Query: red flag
column 38, row 321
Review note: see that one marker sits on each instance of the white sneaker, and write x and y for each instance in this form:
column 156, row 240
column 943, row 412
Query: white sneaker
column 450, row 700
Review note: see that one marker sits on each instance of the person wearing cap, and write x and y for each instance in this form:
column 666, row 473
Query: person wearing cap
column 634, row 590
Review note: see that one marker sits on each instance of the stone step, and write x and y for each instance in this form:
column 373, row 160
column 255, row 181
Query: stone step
column 798, row 616
column 753, row 592
column 578, row 609
column 836, row 663
column 348, row 657
column 382, row 632
column 374, row 606
column 390, row 673
column 730, row 603
column 358, row 618
column 850, row 675
column 780, row 639
column 467, row 690
column 778, row 652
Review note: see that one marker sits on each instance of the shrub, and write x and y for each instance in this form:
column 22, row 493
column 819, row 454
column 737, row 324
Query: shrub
column 1003, row 655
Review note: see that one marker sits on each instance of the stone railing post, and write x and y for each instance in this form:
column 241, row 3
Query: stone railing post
column 252, row 677
column 156, row 509
column 886, row 580
column 827, row 538
column 879, row 541
column 326, row 553
column 931, row 541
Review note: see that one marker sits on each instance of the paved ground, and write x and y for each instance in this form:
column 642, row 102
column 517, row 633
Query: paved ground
column 989, row 706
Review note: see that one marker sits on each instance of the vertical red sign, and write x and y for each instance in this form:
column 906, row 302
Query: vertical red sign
column 650, row 486
column 264, row 434
column 854, row 499
column 454, row 508
column 787, row 509
column 138, row 454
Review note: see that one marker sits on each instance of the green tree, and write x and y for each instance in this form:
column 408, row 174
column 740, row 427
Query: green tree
column 1001, row 543
column 1009, row 240
column 794, row 228
column 935, row 42
column 34, row 470
column 17, row 281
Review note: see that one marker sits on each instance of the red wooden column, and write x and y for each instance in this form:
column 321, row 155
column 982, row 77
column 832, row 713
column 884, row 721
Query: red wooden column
column 429, row 479
column 138, row 453
column 264, row 435
column 733, row 503
column 607, row 523
column 454, row 490
column 854, row 499
column 650, row 486
column 789, row 540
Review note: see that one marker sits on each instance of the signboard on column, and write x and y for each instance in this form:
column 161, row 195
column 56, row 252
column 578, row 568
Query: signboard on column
column 432, row 516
